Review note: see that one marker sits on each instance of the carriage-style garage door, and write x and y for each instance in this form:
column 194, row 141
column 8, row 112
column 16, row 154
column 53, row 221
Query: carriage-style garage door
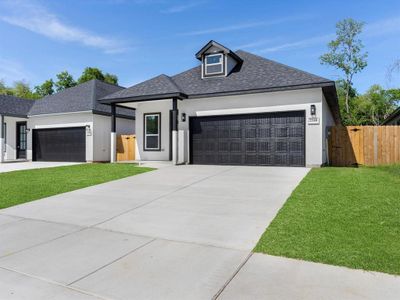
column 266, row 139
column 59, row 144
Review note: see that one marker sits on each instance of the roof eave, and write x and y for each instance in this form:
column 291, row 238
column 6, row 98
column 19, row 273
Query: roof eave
column 144, row 98
column 393, row 115
column 14, row 115
column 263, row 90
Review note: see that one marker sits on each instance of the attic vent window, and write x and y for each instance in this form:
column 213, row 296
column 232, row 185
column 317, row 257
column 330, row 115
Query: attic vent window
column 214, row 64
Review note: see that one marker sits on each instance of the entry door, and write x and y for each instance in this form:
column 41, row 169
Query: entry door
column 21, row 139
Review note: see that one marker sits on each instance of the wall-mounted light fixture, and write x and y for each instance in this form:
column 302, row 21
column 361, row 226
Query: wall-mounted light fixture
column 27, row 130
column 313, row 110
column 88, row 130
column 183, row 117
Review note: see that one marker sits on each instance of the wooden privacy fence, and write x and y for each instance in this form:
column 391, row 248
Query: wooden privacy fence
column 364, row 145
column 126, row 147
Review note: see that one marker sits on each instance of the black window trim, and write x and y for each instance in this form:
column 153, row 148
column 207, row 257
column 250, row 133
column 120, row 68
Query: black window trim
column 159, row 131
column 5, row 136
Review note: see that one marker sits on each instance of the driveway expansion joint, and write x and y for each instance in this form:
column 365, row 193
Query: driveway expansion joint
column 232, row 276
column 162, row 196
column 111, row 262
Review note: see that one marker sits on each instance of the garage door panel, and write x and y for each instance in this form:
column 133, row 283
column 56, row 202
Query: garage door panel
column 59, row 144
column 267, row 139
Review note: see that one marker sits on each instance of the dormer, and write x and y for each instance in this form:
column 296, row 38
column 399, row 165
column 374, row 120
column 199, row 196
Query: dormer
column 217, row 60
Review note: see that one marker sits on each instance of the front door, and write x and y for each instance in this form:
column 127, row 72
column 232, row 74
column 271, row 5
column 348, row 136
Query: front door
column 21, row 140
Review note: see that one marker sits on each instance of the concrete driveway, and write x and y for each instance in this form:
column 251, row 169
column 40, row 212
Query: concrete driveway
column 28, row 165
column 175, row 233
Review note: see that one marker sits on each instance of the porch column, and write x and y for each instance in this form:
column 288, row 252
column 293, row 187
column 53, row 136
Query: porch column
column 175, row 131
column 2, row 135
column 113, row 135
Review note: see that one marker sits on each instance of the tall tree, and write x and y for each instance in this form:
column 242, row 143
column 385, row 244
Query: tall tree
column 342, row 89
column 21, row 89
column 345, row 53
column 378, row 104
column 90, row 73
column 392, row 69
column 64, row 81
column 46, row 88
column 111, row 78
column 5, row 90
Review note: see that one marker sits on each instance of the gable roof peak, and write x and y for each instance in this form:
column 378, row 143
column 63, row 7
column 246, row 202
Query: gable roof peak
column 219, row 46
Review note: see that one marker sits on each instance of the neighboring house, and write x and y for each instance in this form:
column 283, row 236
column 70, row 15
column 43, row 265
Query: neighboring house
column 70, row 125
column 13, row 114
column 235, row 108
column 393, row 119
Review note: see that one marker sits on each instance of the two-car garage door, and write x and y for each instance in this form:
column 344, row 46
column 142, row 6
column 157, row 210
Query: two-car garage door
column 267, row 139
column 59, row 144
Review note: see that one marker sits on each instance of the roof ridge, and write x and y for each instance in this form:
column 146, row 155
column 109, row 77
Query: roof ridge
column 174, row 83
column 94, row 93
column 112, row 84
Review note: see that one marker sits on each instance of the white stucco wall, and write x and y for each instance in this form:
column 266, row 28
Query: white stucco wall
column 253, row 103
column 62, row 121
column 11, row 139
column 102, row 138
column 162, row 107
column 97, row 138
column 327, row 121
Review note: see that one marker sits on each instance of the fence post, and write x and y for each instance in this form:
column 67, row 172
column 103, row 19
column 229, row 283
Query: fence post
column 375, row 145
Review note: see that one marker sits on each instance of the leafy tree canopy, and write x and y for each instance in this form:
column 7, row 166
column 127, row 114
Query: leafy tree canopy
column 95, row 73
column 21, row 89
column 64, row 81
column 45, row 89
column 370, row 108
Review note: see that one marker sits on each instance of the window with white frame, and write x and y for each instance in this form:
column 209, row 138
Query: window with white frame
column 214, row 64
column 152, row 131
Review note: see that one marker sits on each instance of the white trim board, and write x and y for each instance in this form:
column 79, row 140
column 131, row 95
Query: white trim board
column 250, row 110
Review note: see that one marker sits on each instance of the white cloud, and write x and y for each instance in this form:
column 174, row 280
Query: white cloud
column 11, row 71
column 371, row 30
column 258, row 43
column 241, row 26
column 382, row 27
column 181, row 8
column 36, row 18
column 299, row 44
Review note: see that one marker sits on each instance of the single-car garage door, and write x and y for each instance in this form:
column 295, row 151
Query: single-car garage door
column 59, row 144
column 265, row 139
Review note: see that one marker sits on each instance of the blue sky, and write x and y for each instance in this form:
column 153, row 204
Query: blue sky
column 139, row 39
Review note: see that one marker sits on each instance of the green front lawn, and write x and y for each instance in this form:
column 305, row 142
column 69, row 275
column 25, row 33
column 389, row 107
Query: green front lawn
column 23, row 186
column 341, row 216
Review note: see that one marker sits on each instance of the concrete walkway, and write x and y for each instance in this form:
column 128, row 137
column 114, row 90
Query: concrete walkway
column 27, row 165
column 175, row 233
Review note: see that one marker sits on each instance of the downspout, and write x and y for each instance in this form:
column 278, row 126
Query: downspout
column 175, row 131
column 2, row 143
column 113, row 152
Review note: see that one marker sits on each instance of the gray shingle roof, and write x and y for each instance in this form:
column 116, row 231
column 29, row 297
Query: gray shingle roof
column 14, row 106
column 159, row 85
column 255, row 73
column 82, row 97
column 392, row 116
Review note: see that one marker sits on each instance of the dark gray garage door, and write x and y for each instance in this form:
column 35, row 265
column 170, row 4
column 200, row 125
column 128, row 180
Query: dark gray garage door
column 59, row 144
column 268, row 139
